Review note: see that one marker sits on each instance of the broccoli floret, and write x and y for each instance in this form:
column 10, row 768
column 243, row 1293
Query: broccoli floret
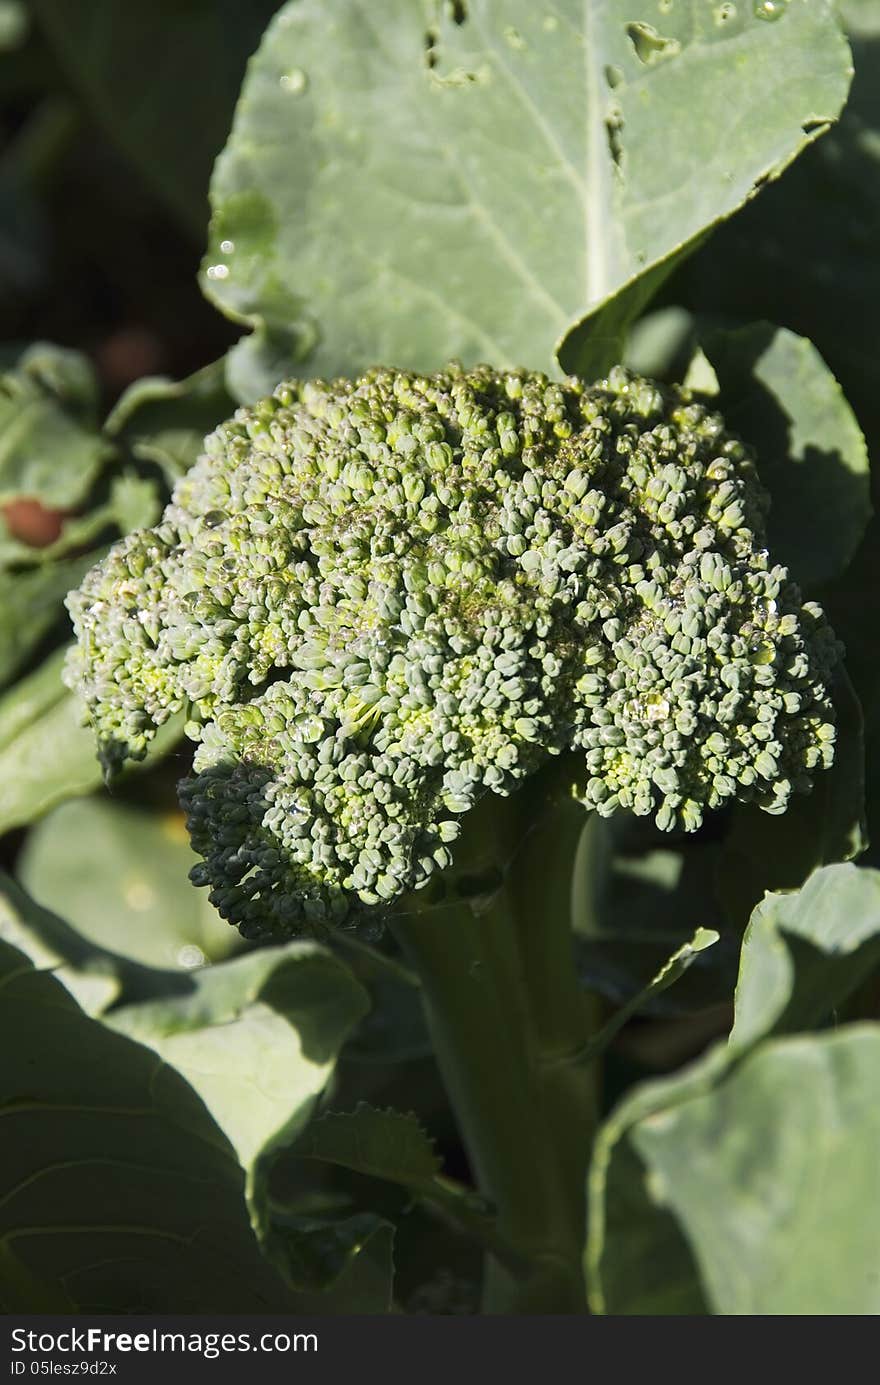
column 383, row 599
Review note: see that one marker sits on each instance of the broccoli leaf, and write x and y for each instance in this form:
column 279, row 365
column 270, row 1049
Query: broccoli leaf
column 120, row 1192
column 383, row 1144
column 396, row 1148
column 502, row 169
column 258, row 1039
column 805, row 252
column 777, row 393
column 119, row 875
column 804, row 953
column 90, row 976
column 599, row 339
column 96, row 976
column 684, row 1207
column 645, row 894
column 638, row 1260
column 750, row 1186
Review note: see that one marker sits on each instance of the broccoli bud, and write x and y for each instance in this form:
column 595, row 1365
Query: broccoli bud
column 383, row 599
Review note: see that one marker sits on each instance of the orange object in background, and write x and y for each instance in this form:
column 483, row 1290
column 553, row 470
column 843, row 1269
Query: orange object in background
column 30, row 522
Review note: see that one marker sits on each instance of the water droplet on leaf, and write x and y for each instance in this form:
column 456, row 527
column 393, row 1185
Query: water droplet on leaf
column 295, row 81
column 227, row 246
column 218, row 271
column 190, row 957
column 770, row 10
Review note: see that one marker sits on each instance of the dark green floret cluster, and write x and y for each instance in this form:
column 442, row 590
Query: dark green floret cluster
column 382, row 599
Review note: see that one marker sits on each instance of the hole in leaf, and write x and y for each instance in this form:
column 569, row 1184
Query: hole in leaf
column 614, row 131
column 458, row 10
column 648, row 45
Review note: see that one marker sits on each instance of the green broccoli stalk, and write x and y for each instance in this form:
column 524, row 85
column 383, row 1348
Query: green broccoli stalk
column 391, row 604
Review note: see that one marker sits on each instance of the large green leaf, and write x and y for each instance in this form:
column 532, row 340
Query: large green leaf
column 46, row 755
column 652, row 1238
column 777, row 393
column 805, row 252
column 90, row 976
column 423, row 180
column 120, row 876
column 599, row 339
column 96, row 976
column 120, row 1194
column 804, row 953
column 162, row 77
column 637, row 1259
column 258, row 1039
column 661, row 343
column 769, row 1169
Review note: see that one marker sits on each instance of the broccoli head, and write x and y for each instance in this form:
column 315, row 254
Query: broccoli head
column 383, row 599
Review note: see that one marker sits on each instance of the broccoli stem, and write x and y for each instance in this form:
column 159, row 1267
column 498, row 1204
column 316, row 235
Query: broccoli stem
column 542, row 890
column 505, row 1010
